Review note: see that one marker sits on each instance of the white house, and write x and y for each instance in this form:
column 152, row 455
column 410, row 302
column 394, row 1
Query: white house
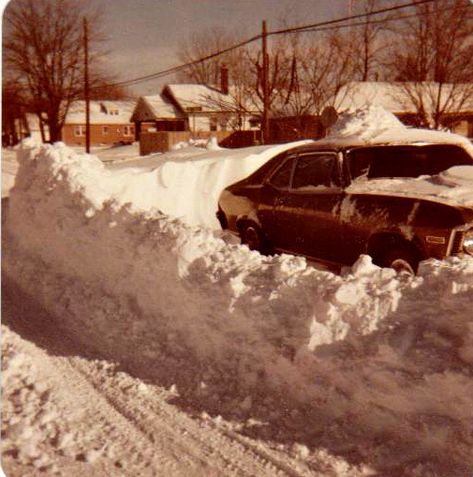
column 192, row 107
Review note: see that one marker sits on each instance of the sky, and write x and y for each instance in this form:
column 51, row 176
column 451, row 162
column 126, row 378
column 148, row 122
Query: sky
column 143, row 36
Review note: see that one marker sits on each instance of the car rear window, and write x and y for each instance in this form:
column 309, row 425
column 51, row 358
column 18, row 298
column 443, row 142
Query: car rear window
column 405, row 161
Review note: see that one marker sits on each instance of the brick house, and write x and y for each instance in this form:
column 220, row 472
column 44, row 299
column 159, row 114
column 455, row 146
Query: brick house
column 109, row 123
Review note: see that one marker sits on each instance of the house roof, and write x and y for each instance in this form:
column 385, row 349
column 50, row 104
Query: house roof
column 206, row 98
column 150, row 108
column 101, row 112
column 177, row 101
column 395, row 96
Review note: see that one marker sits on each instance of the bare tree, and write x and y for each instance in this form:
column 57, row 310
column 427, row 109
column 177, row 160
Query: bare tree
column 369, row 39
column 201, row 44
column 327, row 68
column 432, row 58
column 43, row 49
column 236, row 104
column 12, row 111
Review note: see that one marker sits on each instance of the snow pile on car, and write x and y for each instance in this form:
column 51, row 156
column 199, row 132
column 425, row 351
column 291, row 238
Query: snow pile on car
column 364, row 364
column 375, row 125
column 454, row 186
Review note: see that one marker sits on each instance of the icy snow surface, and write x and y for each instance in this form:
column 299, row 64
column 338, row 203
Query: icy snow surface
column 367, row 365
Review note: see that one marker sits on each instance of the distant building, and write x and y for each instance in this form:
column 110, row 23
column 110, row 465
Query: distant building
column 192, row 107
column 109, row 123
column 157, row 113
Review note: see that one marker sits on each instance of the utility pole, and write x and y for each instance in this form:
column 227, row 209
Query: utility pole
column 86, row 87
column 264, row 78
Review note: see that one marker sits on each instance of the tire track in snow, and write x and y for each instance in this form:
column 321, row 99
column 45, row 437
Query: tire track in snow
column 160, row 422
column 147, row 432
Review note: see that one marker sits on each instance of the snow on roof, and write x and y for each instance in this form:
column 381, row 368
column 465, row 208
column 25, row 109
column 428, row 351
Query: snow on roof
column 199, row 96
column 101, row 112
column 394, row 97
column 150, row 108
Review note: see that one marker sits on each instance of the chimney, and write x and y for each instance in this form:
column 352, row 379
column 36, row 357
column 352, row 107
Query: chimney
column 224, row 79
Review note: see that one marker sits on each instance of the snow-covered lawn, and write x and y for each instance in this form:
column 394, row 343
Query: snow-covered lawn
column 306, row 372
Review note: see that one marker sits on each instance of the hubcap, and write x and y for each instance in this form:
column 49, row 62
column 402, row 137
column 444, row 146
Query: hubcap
column 251, row 238
column 402, row 266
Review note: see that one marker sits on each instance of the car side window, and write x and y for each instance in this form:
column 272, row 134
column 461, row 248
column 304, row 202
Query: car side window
column 359, row 163
column 314, row 170
column 281, row 178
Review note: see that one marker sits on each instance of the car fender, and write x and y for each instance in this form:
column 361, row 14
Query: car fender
column 382, row 239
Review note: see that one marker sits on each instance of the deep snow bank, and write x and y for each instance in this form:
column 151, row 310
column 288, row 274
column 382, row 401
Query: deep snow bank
column 184, row 183
column 384, row 363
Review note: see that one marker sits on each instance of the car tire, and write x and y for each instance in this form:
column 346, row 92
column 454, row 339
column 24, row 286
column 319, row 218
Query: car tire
column 403, row 259
column 251, row 236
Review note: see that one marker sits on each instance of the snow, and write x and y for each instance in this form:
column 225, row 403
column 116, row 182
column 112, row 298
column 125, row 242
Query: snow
column 453, row 186
column 9, row 170
column 368, row 366
column 199, row 95
column 183, row 183
column 374, row 125
column 101, row 112
column 395, row 97
column 149, row 108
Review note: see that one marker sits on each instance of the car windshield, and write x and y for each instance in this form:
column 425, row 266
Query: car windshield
column 405, row 161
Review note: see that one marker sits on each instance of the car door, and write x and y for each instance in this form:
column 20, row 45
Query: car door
column 314, row 198
column 276, row 221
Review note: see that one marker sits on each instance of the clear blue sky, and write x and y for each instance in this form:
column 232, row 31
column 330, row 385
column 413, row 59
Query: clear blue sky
column 143, row 35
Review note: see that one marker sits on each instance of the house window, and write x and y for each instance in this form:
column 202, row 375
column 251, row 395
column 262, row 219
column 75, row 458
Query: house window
column 104, row 130
column 213, row 124
column 79, row 131
column 128, row 130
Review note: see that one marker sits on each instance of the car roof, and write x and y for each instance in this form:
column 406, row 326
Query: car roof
column 397, row 137
column 348, row 145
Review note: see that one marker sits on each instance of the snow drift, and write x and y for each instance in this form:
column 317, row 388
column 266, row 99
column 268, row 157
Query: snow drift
column 370, row 364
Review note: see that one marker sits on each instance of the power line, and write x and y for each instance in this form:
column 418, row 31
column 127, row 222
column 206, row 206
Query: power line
column 351, row 17
column 320, row 26
column 175, row 69
column 368, row 22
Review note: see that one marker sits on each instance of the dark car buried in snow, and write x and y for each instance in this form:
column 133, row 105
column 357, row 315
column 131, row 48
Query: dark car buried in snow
column 332, row 200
